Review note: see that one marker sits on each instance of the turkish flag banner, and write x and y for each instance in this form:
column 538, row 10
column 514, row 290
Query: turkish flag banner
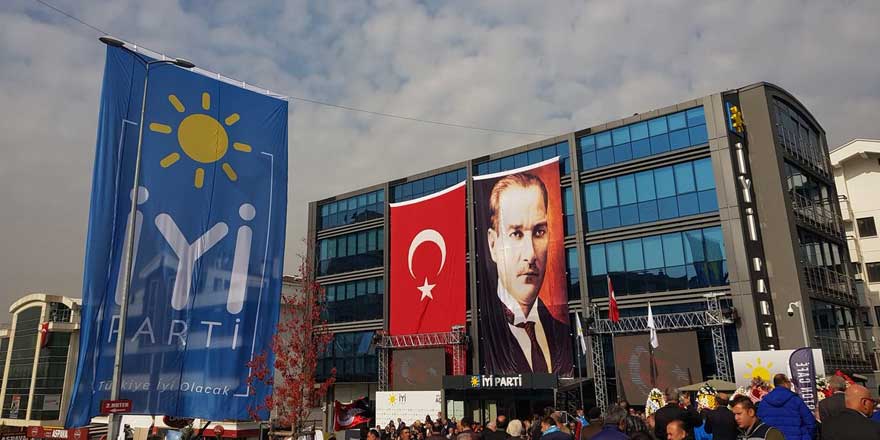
column 428, row 268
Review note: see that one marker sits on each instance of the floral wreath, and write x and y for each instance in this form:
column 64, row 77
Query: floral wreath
column 707, row 397
column 655, row 402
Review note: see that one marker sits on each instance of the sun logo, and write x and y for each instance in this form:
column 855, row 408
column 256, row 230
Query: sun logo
column 475, row 381
column 758, row 370
column 202, row 138
column 392, row 399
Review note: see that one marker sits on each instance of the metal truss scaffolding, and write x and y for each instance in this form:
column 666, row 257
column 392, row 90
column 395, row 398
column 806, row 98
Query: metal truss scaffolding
column 711, row 318
column 456, row 339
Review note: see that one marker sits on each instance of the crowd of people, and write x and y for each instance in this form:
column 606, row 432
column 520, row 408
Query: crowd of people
column 849, row 413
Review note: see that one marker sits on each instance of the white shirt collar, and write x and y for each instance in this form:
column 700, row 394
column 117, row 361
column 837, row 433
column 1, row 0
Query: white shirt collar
column 512, row 305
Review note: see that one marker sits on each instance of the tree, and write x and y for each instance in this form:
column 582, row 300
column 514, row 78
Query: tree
column 300, row 338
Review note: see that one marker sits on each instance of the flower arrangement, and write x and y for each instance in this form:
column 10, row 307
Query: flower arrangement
column 707, row 397
column 655, row 402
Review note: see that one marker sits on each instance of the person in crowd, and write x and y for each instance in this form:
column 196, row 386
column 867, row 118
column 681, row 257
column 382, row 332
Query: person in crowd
column 431, row 434
column 832, row 405
column 451, row 432
column 611, row 424
column 493, row 433
column 527, row 429
column 515, row 430
column 700, row 429
column 786, row 411
column 677, row 430
column 853, row 422
column 405, row 433
column 550, row 430
column 750, row 425
column 720, row 421
column 501, row 422
column 464, row 430
column 535, row 432
column 373, row 435
column 623, row 403
column 633, row 424
column 559, row 418
column 594, row 424
column 581, row 417
column 672, row 411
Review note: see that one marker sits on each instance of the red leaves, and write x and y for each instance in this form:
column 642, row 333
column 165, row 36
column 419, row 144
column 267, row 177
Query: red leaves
column 296, row 345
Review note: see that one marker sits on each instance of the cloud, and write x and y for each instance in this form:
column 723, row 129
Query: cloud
column 530, row 66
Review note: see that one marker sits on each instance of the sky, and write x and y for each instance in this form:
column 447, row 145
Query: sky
column 531, row 66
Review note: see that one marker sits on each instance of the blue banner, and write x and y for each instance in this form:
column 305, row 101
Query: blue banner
column 208, row 240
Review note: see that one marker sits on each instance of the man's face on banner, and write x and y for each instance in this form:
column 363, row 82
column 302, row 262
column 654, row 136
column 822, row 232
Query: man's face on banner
column 518, row 245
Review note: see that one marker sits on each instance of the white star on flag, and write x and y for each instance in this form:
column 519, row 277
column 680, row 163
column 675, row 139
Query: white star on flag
column 426, row 290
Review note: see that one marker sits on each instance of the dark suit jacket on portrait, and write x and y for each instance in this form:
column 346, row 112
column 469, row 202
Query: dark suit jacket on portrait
column 502, row 353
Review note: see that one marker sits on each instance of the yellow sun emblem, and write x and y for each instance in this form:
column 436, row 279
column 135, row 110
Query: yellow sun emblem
column 758, row 370
column 202, row 138
column 475, row 381
column 391, row 399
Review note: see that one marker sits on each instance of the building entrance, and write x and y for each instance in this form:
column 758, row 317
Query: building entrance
column 484, row 397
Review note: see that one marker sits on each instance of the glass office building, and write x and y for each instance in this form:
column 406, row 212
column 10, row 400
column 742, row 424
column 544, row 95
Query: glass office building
column 670, row 204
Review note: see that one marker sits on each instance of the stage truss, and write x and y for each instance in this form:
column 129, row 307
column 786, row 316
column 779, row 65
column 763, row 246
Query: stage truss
column 456, row 339
column 711, row 318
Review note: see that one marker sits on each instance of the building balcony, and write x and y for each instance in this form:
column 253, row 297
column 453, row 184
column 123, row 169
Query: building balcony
column 820, row 215
column 829, row 283
column 847, row 355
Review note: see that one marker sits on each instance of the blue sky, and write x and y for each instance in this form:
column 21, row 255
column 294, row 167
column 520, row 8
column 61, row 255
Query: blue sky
column 546, row 67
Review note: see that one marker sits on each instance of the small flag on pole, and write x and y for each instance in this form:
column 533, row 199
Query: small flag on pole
column 613, row 312
column 653, row 328
column 580, row 333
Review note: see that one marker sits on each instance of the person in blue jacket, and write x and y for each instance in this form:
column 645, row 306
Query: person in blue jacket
column 785, row 411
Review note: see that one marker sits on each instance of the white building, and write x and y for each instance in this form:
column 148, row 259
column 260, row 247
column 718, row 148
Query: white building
column 857, row 177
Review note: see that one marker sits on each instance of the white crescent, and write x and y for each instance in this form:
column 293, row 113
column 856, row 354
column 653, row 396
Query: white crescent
column 427, row 235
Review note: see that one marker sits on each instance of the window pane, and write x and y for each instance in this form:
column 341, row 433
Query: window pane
column 605, row 156
column 679, row 139
column 620, row 135
column 597, row 259
column 693, row 246
column 698, row 135
column 708, row 200
column 534, row 156
column 703, row 173
column 592, row 200
column 657, row 126
column 696, row 116
column 638, row 131
column 648, row 211
column 609, row 192
column 568, row 200
column 867, row 227
column 603, row 140
column 626, row 189
column 714, row 243
column 614, row 253
column 664, row 181
column 633, row 252
column 659, row 144
column 641, row 148
column 873, row 272
column 688, row 204
column 622, row 153
column 684, row 178
column 645, row 185
column 673, row 253
column 588, row 143
column 676, row 121
column 653, row 250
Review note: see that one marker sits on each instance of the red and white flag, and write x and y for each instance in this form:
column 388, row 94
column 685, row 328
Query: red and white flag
column 428, row 268
column 613, row 311
column 350, row 415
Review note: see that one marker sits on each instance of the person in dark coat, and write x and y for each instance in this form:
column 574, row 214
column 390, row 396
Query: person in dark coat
column 493, row 433
column 594, row 424
column 549, row 430
column 832, row 405
column 785, row 411
column 672, row 411
column 611, row 425
column 853, row 423
column 720, row 422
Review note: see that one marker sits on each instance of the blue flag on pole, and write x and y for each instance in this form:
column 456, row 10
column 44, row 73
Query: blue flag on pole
column 208, row 241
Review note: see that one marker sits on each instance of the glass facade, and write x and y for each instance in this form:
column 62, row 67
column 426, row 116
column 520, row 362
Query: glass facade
column 798, row 137
column 428, row 185
column 654, row 136
column 568, row 211
column 354, row 301
column 662, row 193
column 352, row 210
column 353, row 355
column 573, row 275
column 49, row 384
column 674, row 261
column 529, row 157
column 834, row 321
column 21, row 363
column 350, row 252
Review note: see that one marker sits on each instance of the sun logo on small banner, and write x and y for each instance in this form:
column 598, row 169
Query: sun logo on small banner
column 202, row 138
column 758, row 370
column 475, row 381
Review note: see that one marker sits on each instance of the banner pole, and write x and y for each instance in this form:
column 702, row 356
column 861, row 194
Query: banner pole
column 116, row 419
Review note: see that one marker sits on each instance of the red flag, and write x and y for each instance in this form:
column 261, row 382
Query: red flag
column 613, row 311
column 428, row 272
column 44, row 334
column 350, row 415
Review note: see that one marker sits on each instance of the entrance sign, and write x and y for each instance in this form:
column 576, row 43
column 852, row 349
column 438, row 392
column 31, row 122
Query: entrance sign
column 208, row 242
column 501, row 382
column 408, row 405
